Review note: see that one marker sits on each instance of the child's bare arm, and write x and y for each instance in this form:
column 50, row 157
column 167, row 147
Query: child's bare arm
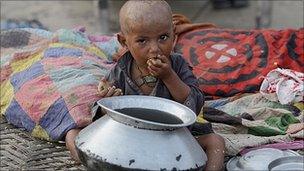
column 179, row 79
column 177, row 88
column 161, row 68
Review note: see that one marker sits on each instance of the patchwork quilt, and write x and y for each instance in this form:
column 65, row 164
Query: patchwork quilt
column 49, row 80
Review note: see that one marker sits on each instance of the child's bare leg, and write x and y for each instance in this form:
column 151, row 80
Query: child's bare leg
column 214, row 146
column 70, row 143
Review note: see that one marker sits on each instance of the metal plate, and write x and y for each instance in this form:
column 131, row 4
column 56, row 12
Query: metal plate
column 232, row 164
column 292, row 163
column 257, row 160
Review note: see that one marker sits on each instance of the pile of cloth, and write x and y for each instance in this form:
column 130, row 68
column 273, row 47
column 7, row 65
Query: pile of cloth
column 49, row 80
column 249, row 121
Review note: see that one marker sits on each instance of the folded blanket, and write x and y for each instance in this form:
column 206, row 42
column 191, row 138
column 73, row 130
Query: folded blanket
column 49, row 80
column 252, row 120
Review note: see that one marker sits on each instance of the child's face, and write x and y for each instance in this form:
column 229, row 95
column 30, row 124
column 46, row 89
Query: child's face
column 147, row 40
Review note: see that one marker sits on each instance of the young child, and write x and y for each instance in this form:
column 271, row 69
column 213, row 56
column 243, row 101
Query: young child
column 150, row 68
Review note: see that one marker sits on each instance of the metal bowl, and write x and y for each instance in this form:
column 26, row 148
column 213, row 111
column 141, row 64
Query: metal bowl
column 292, row 163
column 258, row 159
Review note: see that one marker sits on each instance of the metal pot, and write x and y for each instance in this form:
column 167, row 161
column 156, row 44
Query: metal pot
column 119, row 141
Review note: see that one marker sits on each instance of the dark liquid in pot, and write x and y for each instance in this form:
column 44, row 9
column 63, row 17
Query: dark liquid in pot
column 151, row 115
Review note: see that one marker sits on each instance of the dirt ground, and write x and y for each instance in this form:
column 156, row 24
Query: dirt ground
column 68, row 14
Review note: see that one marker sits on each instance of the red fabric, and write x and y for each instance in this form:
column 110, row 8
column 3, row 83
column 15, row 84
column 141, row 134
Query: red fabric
column 228, row 62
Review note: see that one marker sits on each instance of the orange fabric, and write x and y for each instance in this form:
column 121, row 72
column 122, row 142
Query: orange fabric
column 182, row 24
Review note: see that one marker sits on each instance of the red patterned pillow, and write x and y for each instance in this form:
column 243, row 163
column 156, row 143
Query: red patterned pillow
column 228, row 62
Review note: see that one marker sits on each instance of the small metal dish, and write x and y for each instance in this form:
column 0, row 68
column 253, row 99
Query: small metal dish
column 292, row 163
column 257, row 160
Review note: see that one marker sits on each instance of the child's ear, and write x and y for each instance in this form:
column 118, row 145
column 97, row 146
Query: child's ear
column 175, row 36
column 121, row 39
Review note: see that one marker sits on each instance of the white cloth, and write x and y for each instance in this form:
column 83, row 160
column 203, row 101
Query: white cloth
column 283, row 85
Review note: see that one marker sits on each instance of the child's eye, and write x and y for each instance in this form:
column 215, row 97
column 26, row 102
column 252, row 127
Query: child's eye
column 141, row 41
column 164, row 37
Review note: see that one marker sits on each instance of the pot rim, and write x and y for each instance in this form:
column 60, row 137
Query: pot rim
column 129, row 120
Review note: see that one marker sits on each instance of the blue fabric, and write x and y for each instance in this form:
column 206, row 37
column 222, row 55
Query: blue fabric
column 57, row 121
column 18, row 117
column 22, row 77
column 62, row 51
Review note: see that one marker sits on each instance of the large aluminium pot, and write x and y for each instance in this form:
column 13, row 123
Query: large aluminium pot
column 118, row 141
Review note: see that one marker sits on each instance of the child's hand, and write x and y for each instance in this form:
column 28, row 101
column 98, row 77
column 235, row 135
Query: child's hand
column 106, row 90
column 160, row 67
